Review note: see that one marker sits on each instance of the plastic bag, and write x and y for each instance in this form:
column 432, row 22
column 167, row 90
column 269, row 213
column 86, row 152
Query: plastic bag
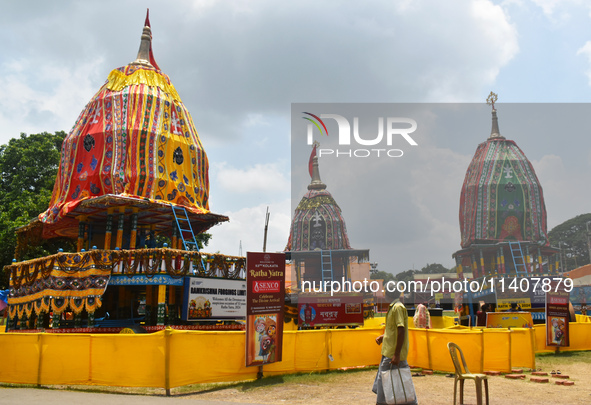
column 398, row 386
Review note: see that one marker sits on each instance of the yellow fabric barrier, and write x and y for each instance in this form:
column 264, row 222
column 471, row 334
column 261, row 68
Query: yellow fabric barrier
column 583, row 318
column 201, row 357
column 428, row 348
column 20, row 358
column 580, row 338
column 174, row 358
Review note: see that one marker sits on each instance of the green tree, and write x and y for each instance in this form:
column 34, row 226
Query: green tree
column 434, row 268
column 406, row 275
column 28, row 167
column 571, row 237
column 383, row 275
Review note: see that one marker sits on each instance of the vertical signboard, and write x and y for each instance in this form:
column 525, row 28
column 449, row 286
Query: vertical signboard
column 265, row 298
column 557, row 317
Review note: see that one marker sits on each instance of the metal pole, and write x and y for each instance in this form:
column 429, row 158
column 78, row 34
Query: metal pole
column 266, row 229
column 589, row 240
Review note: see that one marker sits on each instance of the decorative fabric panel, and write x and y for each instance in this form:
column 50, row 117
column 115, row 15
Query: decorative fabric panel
column 501, row 198
column 318, row 224
column 134, row 138
column 53, row 283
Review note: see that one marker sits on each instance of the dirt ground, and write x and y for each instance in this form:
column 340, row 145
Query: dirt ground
column 338, row 387
column 354, row 387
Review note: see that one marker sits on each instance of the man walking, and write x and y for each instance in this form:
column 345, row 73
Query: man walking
column 394, row 342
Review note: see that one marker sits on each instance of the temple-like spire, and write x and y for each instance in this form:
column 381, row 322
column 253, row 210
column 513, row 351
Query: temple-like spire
column 494, row 132
column 316, row 183
column 144, row 54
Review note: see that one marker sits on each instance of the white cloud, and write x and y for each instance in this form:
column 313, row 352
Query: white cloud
column 247, row 226
column 42, row 97
column 255, row 179
column 585, row 50
column 548, row 6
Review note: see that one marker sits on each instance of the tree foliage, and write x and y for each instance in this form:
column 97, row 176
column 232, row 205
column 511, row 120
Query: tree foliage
column 408, row 275
column 28, row 166
column 383, row 275
column 571, row 237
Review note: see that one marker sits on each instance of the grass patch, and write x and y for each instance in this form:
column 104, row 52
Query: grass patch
column 561, row 359
column 304, row 379
column 308, row 379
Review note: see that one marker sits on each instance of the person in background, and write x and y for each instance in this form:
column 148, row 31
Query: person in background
column 514, row 308
column 395, row 342
column 481, row 315
column 422, row 318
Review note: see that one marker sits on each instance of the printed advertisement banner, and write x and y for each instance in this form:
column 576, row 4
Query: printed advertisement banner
column 509, row 320
column 557, row 317
column 527, row 292
column 327, row 310
column 214, row 298
column 265, row 280
column 580, row 297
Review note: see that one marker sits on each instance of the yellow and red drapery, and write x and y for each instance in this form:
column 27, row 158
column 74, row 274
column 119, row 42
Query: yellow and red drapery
column 57, row 282
column 134, row 138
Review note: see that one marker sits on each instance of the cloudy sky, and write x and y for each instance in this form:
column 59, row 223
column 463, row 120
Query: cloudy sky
column 239, row 65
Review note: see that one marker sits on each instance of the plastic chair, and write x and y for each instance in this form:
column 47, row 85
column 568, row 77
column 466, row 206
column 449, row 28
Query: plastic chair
column 461, row 376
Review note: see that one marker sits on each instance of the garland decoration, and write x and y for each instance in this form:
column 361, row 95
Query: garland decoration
column 78, row 280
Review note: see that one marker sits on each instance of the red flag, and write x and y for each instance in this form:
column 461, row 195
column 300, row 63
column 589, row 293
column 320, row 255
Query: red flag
column 147, row 24
column 311, row 163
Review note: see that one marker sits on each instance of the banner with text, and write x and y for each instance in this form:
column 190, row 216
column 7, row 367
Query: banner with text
column 265, row 280
column 509, row 320
column 330, row 310
column 557, row 317
column 214, row 298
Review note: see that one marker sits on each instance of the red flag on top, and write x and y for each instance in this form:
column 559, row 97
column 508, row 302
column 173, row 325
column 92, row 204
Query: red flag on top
column 147, row 24
column 311, row 163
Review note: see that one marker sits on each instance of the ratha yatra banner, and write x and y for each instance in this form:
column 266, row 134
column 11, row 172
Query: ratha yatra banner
column 557, row 317
column 330, row 310
column 265, row 280
column 213, row 298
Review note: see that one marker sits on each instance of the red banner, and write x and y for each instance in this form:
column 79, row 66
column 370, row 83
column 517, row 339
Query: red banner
column 557, row 317
column 326, row 310
column 265, row 297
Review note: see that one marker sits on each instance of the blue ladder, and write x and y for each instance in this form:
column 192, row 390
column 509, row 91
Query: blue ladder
column 185, row 229
column 326, row 262
column 518, row 260
column 186, row 232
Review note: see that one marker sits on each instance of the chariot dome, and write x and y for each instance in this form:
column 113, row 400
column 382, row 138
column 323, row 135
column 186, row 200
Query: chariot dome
column 501, row 198
column 502, row 212
column 318, row 243
column 134, row 143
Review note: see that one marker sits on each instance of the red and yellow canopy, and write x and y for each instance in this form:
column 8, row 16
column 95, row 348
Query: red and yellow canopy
column 135, row 138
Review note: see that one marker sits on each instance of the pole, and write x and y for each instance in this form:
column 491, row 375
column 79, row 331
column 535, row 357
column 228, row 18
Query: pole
column 589, row 240
column 266, row 229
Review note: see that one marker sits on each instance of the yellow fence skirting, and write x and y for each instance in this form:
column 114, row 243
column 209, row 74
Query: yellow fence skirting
column 172, row 358
column 512, row 348
column 580, row 337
